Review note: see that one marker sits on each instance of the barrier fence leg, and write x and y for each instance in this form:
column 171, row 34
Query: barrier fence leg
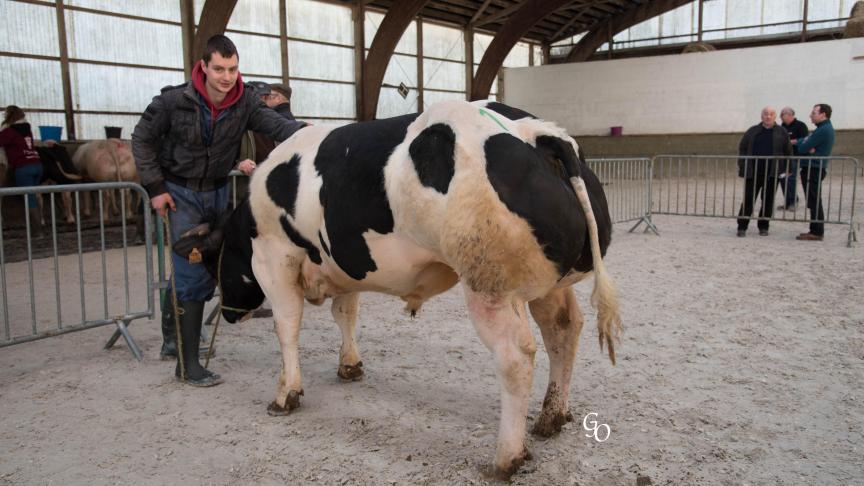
column 123, row 329
column 649, row 226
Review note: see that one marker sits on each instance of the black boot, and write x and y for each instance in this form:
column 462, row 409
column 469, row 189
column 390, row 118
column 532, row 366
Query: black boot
column 191, row 315
column 169, row 331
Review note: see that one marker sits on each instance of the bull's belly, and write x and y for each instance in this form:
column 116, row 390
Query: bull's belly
column 403, row 269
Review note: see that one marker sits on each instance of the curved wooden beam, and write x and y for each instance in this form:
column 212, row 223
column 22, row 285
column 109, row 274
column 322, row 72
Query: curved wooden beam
column 398, row 18
column 516, row 27
column 214, row 20
column 601, row 32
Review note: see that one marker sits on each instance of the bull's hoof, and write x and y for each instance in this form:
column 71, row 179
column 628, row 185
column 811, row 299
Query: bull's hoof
column 549, row 424
column 504, row 473
column 351, row 372
column 291, row 402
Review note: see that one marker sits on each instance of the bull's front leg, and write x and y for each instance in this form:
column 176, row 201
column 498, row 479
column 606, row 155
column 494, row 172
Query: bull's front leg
column 344, row 310
column 67, row 207
column 502, row 324
column 560, row 321
column 276, row 265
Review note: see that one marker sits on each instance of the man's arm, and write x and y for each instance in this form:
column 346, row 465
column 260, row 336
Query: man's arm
column 146, row 139
column 814, row 140
column 266, row 121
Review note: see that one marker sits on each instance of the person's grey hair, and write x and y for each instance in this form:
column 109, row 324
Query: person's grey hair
column 787, row 109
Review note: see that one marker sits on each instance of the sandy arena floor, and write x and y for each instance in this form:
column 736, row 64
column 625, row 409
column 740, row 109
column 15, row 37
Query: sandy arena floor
column 742, row 362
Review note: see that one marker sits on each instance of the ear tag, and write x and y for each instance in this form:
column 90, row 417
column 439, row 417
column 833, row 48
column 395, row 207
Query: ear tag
column 195, row 256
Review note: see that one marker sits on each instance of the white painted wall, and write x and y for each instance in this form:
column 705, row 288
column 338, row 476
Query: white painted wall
column 711, row 92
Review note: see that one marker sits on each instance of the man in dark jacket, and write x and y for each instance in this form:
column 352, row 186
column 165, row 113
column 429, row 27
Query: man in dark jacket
column 185, row 145
column 819, row 144
column 797, row 130
column 765, row 139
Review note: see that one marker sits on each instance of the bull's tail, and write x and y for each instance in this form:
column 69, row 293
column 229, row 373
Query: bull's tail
column 604, row 298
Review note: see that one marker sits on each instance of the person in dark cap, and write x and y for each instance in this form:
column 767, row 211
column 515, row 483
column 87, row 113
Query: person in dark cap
column 280, row 100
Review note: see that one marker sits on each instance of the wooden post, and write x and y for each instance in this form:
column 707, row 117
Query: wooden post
column 64, row 71
column 609, row 39
column 468, row 38
column 283, row 42
column 530, row 54
column 187, row 32
column 419, row 64
column 359, row 16
column 804, row 21
column 547, row 53
column 701, row 9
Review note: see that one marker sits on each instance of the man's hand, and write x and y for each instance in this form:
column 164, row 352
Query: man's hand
column 161, row 203
column 794, row 141
column 247, row 166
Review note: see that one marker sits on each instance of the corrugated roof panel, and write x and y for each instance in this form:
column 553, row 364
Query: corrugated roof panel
column 105, row 38
column 28, row 29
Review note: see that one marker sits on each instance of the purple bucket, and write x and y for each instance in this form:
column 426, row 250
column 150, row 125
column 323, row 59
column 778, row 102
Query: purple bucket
column 616, row 131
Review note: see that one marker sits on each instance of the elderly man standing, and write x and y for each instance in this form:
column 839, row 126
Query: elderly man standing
column 797, row 131
column 819, row 143
column 765, row 139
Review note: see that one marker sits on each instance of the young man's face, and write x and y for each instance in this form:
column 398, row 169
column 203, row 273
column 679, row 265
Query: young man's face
column 816, row 116
column 221, row 72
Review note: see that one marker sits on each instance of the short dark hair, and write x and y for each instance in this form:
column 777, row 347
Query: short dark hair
column 12, row 114
column 824, row 108
column 221, row 44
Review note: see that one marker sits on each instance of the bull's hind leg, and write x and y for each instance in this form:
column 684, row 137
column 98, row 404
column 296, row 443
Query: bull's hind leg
column 344, row 310
column 502, row 324
column 560, row 322
column 276, row 265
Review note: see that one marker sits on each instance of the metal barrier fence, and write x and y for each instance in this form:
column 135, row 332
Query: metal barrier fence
column 627, row 184
column 102, row 275
column 712, row 186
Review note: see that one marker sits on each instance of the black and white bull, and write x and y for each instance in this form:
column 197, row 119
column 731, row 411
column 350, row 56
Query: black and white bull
column 479, row 194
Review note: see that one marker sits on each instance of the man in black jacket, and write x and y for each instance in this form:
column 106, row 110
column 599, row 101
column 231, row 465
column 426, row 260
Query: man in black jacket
column 797, row 130
column 185, row 145
column 766, row 138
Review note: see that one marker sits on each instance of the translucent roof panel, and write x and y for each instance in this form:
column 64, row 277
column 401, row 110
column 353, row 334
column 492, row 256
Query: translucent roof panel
column 681, row 21
column 307, row 60
column 518, row 55
column 401, row 69
column 153, row 9
column 104, row 38
column 260, row 16
column 432, row 97
column 538, row 55
column 444, row 74
column 30, row 83
column 828, row 9
column 312, row 99
column 92, row 127
column 481, row 43
column 407, row 43
column 106, row 88
column 443, row 42
column 776, row 11
column 741, row 13
column 391, row 103
column 34, row 30
column 308, row 19
column 258, row 55
column 37, row 118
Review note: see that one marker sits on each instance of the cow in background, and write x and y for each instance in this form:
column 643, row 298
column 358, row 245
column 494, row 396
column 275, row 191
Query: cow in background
column 410, row 206
column 108, row 161
column 58, row 169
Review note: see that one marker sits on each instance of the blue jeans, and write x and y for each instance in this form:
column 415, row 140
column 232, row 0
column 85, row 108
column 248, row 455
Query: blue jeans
column 29, row 175
column 787, row 185
column 194, row 282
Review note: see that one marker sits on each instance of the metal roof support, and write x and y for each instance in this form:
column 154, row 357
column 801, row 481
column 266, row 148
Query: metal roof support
column 517, row 26
column 398, row 18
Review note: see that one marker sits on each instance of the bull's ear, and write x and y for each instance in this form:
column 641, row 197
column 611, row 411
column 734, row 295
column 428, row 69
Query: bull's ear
column 562, row 150
column 200, row 242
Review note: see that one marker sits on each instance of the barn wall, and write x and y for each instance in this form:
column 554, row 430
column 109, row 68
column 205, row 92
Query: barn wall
column 712, row 92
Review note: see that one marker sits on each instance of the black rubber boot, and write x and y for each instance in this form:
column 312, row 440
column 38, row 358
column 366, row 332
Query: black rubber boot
column 191, row 315
column 169, row 332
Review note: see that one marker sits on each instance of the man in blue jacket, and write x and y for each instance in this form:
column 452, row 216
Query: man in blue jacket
column 819, row 143
column 185, row 145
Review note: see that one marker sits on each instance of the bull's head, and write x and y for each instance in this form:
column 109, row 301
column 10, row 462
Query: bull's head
column 224, row 247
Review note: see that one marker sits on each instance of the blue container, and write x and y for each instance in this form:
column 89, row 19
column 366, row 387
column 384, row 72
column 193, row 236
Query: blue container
column 48, row 132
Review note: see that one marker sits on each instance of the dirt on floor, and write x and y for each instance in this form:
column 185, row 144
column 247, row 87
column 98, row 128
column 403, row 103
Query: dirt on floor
column 742, row 362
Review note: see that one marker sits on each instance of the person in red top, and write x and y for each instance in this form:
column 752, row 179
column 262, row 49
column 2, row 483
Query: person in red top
column 16, row 138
